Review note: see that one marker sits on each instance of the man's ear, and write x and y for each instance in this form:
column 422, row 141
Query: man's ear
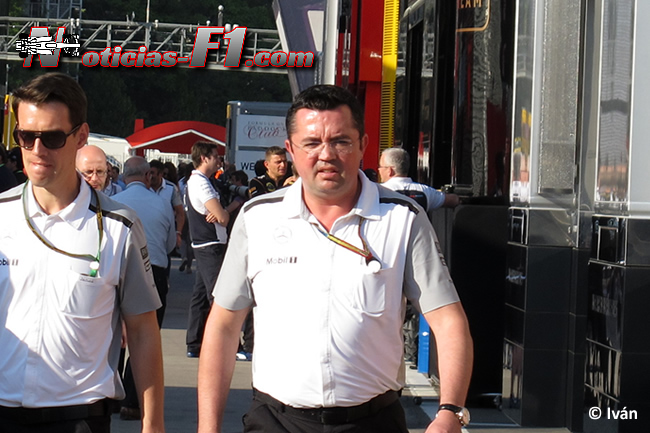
column 82, row 135
column 364, row 143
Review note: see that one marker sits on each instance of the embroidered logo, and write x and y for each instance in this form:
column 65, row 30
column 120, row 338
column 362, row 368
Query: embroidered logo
column 281, row 260
column 282, row 235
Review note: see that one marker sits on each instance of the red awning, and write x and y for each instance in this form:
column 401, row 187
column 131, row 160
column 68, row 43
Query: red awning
column 178, row 137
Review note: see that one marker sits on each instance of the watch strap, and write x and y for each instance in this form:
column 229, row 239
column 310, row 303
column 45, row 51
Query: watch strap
column 457, row 410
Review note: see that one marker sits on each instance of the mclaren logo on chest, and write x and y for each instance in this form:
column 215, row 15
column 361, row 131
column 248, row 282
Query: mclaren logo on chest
column 282, row 260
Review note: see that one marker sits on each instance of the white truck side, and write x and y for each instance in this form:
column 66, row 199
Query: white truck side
column 251, row 128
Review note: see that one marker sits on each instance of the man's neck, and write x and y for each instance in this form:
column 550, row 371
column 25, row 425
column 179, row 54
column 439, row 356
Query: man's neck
column 328, row 209
column 204, row 169
column 274, row 178
column 52, row 200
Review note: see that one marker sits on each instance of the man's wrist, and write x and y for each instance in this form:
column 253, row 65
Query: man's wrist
column 461, row 413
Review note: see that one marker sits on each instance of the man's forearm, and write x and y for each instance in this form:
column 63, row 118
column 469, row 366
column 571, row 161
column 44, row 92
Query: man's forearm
column 455, row 356
column 455, row 352
column 145, row 350
column 216, row 365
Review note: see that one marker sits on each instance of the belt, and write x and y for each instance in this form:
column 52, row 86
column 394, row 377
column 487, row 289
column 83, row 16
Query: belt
column 26, row 415
column 332, row 415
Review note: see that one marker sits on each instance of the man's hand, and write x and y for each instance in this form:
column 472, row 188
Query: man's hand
column 445, row 422
column 211, row 218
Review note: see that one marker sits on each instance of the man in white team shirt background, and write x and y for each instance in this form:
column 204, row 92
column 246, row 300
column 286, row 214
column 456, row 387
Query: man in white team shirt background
column 393, row 172
column 208, row 221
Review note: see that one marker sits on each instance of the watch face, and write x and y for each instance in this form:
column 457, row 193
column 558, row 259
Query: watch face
column 463, row 416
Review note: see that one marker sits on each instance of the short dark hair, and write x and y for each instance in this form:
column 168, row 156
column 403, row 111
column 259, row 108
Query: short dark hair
column 157, row 164
column 325, row 97
column 275, row 150
column 54, row 87
column 240, row 176
column 199, row 149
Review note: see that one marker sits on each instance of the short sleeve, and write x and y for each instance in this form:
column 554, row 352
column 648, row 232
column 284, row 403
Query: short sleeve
column 232, row 289
column 427, row 282
column 138, row 292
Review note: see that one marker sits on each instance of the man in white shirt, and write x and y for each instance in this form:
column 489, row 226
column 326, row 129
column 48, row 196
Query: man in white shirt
column 338, row 255
column 208, row 221
column 393, row 173
column 77, row 265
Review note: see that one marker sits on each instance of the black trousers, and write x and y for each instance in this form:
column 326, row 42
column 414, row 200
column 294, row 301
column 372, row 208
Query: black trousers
column 264, row 417
column 208, row 265
column 162, row 285
column 90, row 418
column 89, row 425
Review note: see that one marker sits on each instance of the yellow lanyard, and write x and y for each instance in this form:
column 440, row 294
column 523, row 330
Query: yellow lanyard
column 94, row 260
column 373, row 264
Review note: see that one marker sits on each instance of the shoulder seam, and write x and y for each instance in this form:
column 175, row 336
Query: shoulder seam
column 401, row 202
column 10, row 198
column 113, row 215
column 263, row 199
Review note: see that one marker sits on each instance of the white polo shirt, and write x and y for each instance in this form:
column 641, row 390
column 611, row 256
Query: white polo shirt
column 435, row 198
column 308, row 289
column 61, row 329
column 200, row 191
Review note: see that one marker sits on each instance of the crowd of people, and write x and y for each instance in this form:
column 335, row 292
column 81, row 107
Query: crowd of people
column 310, row 246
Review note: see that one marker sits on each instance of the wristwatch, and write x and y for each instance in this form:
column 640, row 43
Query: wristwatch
column 461, row 412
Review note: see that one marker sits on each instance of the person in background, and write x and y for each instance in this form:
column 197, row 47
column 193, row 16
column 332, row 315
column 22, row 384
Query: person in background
column 170, row 193
column 15, row 164
column 276, row 171
column 116, row 178
column 187, row 253
column 259, row 168
column 7, row 178
column 158, row 221
column 171, row 173
column 93, row 166
column 328, row 262
column 81, row 267
column 208, row 221
column 371, row 174
column 393, row 171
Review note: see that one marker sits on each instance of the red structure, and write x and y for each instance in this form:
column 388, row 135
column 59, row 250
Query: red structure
column 176, row 137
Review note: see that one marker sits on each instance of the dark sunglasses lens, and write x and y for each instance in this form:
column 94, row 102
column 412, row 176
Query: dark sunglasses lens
column 50, row 139
column 53, row 139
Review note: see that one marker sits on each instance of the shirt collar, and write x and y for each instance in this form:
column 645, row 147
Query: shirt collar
column 73, row 214
column 136, row 183
column 397, row 180
column 367, row 205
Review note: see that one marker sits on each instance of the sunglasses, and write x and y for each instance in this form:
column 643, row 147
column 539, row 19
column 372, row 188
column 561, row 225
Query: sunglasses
column 50, row 139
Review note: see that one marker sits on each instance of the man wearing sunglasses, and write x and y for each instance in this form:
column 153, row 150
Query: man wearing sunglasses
column 338, row 255
column 76, row 266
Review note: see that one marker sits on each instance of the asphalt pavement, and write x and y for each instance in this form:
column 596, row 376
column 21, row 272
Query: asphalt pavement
column 181, row 380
